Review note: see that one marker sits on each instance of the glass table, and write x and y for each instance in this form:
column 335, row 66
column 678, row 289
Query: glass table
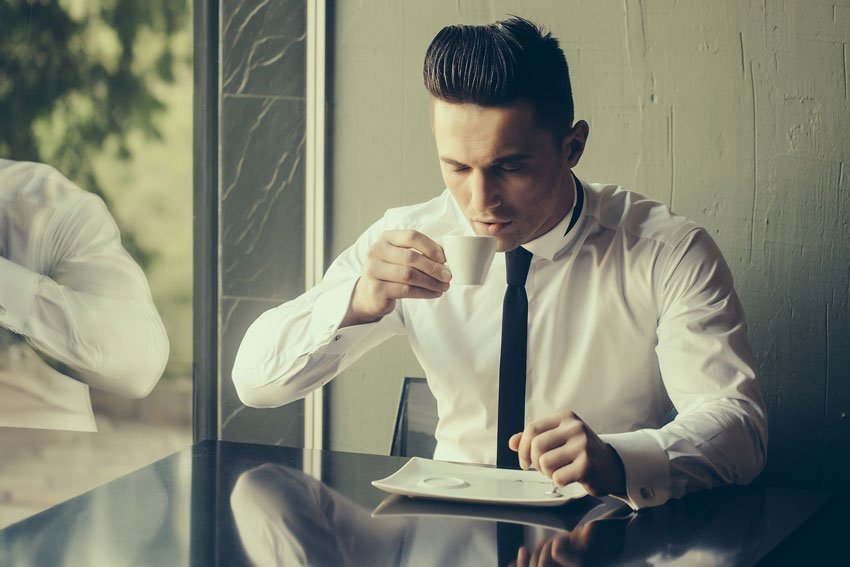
column 222, row 503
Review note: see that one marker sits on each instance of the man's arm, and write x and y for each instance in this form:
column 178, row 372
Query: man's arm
column 720, row 433
column 285, row 517
column 92, row 315
column 301, row 345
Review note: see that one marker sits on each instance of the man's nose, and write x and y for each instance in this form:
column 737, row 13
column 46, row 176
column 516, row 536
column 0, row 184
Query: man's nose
column 485, row 194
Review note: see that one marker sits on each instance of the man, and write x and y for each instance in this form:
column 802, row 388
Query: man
column 75, row 309
column 631, row 310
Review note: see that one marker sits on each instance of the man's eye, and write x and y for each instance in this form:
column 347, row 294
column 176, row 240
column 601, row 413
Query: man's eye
column 459, row 169
column 511, row 168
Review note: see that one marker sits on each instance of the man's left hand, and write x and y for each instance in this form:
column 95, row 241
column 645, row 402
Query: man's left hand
column 565, row 448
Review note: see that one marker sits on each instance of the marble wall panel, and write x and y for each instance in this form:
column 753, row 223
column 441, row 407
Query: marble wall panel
column 263, row 47
column 262, row 197
column 272, row 426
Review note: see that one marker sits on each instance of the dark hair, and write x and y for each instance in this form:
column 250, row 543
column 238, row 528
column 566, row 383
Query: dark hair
column 499, row 64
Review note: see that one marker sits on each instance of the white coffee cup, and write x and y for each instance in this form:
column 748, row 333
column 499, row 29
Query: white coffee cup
column 469, row 258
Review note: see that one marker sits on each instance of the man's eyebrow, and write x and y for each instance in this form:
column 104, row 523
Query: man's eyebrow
column 450, row 161
column 513, row 158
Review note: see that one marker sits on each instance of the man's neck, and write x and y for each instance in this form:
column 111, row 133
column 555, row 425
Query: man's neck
column 564, row 206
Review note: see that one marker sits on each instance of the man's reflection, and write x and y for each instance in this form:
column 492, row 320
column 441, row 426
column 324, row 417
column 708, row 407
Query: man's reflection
column 723, row 529
column 75, row 309
column 285, row 517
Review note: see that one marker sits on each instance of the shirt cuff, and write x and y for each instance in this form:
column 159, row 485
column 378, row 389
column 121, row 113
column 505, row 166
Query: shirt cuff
column 18, row 287
column 646, row 466
column 328, row 312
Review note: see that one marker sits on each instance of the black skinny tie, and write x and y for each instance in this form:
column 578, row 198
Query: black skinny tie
column 513, row 357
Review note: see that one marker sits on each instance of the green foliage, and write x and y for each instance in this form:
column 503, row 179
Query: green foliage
column 76, row 79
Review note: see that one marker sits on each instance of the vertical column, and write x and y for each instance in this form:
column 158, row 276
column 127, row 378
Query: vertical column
column 261, row 192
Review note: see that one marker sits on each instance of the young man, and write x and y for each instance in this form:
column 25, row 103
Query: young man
column 631, row 310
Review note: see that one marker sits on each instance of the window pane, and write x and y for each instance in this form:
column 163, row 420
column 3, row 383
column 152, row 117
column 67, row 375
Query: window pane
column 101, row 91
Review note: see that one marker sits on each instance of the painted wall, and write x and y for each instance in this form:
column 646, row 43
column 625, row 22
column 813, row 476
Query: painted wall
column 734, row 113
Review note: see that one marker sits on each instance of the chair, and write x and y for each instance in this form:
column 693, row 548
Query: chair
column 416, row 421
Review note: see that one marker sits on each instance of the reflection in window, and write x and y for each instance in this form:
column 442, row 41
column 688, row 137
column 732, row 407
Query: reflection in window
column 102, row 91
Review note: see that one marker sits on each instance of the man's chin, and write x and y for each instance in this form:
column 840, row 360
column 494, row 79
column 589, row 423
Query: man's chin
column 506, row 244
column 504, row 241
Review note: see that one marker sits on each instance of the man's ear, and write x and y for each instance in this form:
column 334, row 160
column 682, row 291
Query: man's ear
column 574, row 143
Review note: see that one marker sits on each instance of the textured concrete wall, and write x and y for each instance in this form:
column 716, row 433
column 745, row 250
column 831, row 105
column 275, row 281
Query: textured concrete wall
column 732, row 112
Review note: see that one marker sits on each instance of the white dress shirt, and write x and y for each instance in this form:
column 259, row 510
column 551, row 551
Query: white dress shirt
column 632, row 313
column 75, row 309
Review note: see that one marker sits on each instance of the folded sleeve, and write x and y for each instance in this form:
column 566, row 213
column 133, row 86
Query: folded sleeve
column 92, row 315
column 299, row 346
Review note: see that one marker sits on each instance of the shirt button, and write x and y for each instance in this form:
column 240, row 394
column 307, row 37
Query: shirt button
column 336, row 338
column 647, row 493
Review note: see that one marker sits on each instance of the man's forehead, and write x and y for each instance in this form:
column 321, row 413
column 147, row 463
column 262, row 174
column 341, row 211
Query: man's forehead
column 475, row 135
column 520, row 109
column 510, row 125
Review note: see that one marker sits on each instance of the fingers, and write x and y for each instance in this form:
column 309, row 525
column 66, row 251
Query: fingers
column 406, row 266
column 531, row 431
column 417, row 241
column 392, row 291
column 514, row 441
column 521, row 558
column 557, row 446
column 542, row 555
column 400, row 264
column 569, row 469
column 554, row 448
column 564, row 550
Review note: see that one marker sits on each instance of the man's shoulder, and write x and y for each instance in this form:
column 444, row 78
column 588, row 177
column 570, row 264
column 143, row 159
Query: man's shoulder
column 619, row 209
column 42, row 203
column 38, row 184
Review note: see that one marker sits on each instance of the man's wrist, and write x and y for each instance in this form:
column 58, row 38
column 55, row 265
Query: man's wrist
column 354, row 315
column 618, row 471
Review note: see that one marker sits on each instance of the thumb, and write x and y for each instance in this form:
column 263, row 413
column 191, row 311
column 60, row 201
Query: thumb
column 514, row 441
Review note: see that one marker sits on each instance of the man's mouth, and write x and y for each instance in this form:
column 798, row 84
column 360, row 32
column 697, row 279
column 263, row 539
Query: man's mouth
column 492, row 228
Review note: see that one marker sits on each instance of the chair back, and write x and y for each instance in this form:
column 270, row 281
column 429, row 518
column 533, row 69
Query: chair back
column 416, row 421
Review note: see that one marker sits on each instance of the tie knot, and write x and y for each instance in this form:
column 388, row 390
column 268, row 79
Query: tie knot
column 517, row 260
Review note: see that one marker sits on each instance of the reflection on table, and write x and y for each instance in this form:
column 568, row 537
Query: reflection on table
column 220, row 503
column 286, row 517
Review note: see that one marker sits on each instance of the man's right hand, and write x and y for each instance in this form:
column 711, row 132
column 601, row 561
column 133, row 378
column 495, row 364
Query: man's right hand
column 401, row 264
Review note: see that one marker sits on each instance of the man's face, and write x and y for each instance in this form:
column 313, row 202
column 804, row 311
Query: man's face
column 505, row 172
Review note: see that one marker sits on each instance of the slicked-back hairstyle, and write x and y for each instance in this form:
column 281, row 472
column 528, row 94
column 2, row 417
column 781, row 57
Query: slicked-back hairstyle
column 500, row 64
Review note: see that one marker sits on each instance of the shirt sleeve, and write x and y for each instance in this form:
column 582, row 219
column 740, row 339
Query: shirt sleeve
column 299, row 346
column 719, row 435
column 92, row 315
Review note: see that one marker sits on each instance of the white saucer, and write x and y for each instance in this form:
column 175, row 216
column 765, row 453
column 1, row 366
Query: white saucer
column 424, row 478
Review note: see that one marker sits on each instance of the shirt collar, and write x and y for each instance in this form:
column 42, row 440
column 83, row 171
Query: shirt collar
column 548, row 245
